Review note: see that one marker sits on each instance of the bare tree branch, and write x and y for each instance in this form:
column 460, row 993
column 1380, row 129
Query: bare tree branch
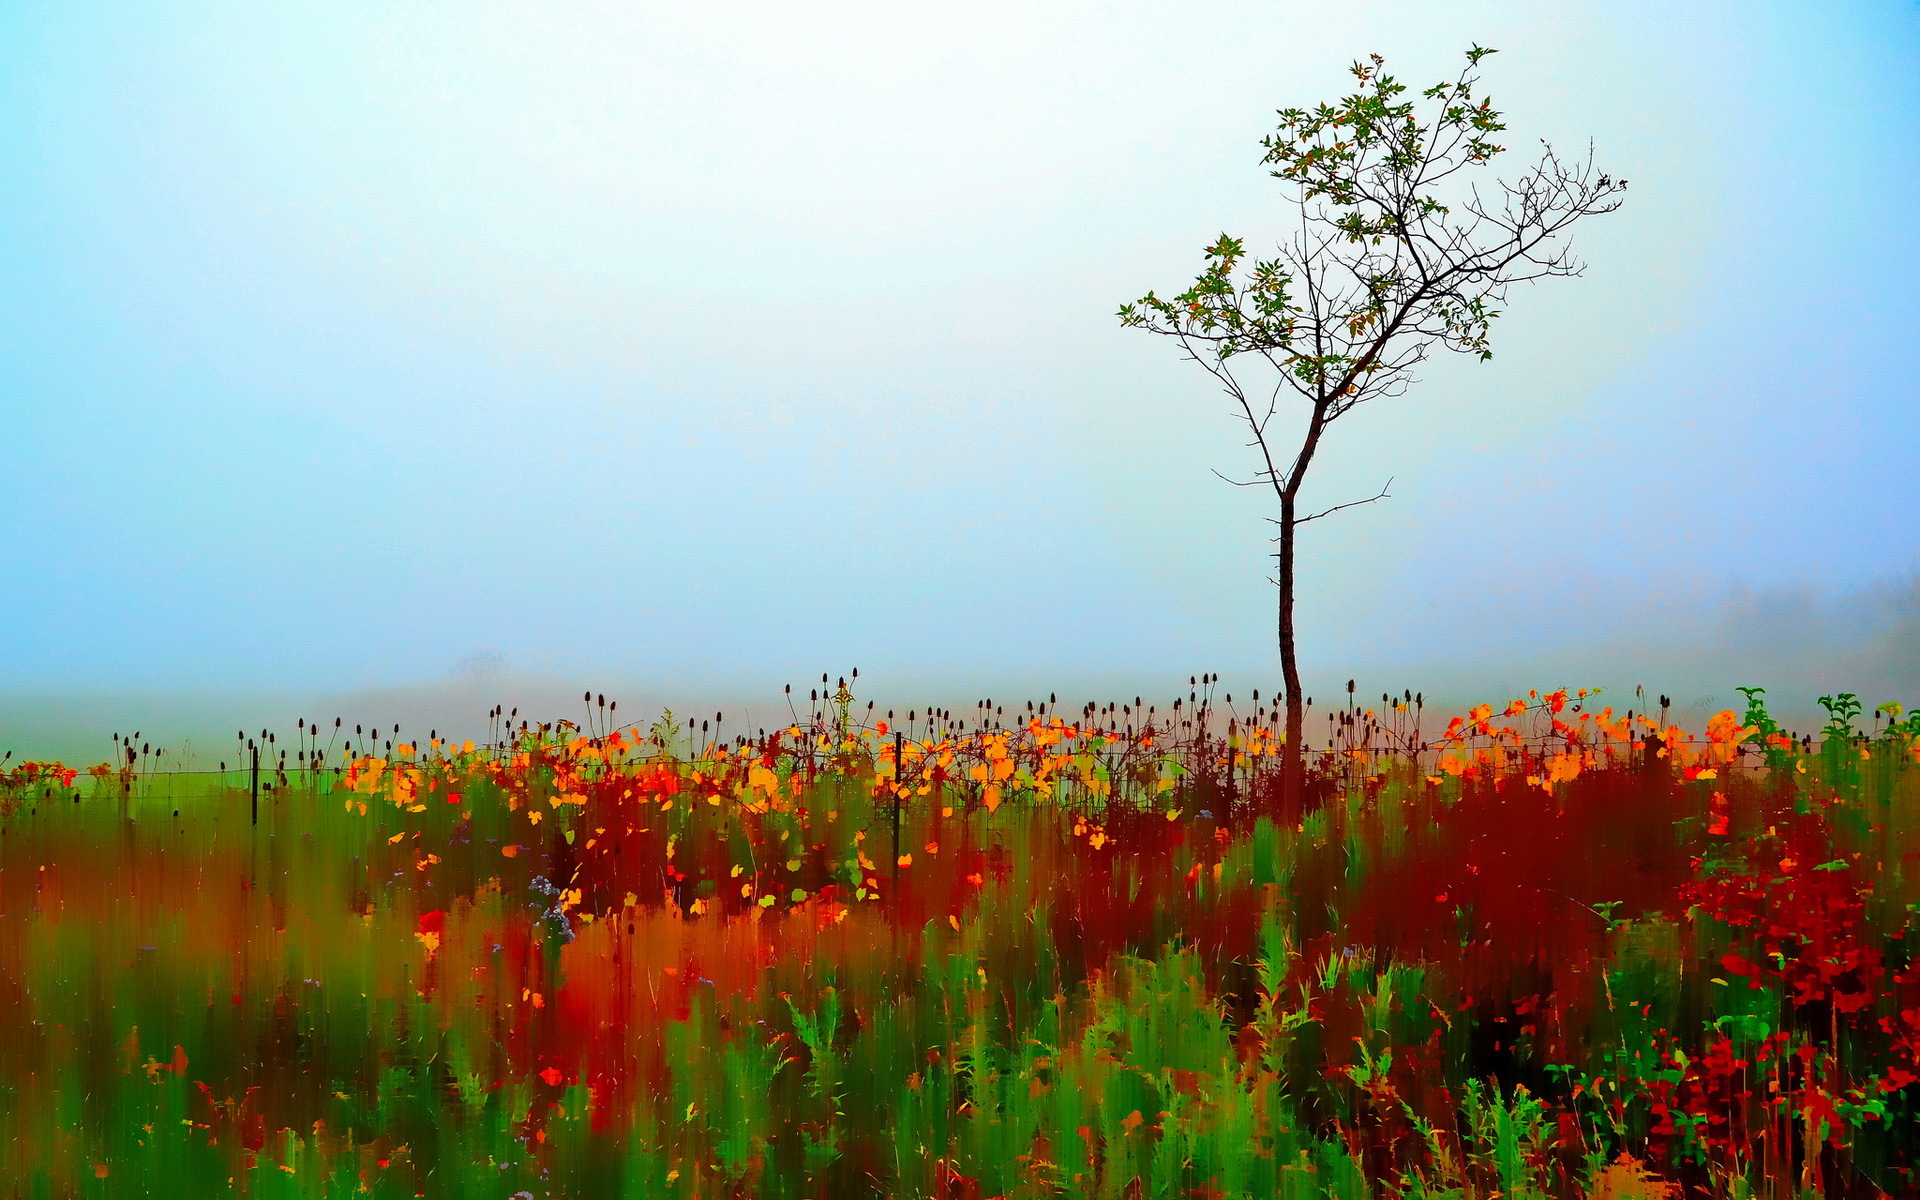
column 1349, row 504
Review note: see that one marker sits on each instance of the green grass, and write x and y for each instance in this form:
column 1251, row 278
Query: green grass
column 1430, row 984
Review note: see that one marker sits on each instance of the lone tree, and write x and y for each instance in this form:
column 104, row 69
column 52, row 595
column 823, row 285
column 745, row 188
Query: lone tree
column 1398, row 251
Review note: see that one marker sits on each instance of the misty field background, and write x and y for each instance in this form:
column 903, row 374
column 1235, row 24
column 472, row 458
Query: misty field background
column 454, row 457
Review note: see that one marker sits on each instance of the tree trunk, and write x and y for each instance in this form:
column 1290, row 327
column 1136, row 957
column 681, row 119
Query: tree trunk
column 1293, row 754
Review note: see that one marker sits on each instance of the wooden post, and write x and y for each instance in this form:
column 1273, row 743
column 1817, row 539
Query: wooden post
column 899, row 780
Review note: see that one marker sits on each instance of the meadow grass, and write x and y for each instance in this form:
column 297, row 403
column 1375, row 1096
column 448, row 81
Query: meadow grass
column 1550, row 952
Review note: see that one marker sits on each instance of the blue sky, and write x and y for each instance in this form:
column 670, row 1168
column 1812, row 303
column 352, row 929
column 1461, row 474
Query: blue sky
column 707, row 347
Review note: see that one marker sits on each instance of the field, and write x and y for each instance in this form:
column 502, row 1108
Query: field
column 1545, row 950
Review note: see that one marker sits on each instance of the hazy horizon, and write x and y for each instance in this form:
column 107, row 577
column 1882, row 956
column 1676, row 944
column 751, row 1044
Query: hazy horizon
column 1797, row 646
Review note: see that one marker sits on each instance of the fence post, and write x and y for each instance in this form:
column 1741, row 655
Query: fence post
column 899, row 780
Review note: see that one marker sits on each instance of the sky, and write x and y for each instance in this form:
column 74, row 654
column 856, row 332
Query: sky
column 414, row 352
